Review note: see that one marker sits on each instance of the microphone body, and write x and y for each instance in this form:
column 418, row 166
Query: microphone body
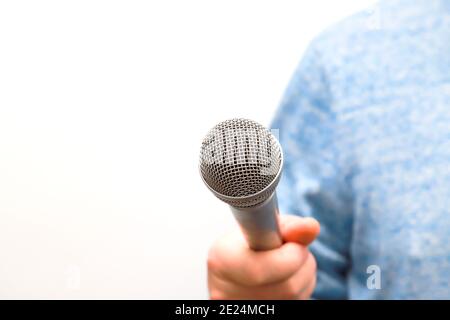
column 259, row 224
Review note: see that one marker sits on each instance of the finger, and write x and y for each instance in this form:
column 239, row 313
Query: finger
column 221, row 289
column 232, row 260
column 302, row 230
column 289, row 289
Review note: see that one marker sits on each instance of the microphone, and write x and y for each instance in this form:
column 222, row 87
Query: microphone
column 241, row 163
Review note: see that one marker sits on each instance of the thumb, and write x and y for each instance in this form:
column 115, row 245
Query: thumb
column 299, row 229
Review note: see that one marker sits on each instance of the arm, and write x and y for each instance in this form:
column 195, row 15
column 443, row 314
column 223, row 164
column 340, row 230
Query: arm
column 314, row 181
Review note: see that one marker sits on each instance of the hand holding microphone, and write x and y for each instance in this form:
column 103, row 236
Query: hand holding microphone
column 241, row 163
column 288, row 272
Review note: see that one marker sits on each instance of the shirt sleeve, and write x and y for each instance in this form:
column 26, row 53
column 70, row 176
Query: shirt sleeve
column 314, row 182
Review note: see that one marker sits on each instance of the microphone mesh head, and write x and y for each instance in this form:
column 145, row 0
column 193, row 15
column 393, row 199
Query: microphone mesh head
column 241, row 162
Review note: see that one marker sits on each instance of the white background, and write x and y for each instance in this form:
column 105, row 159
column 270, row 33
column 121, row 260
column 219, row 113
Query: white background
column 103, row 106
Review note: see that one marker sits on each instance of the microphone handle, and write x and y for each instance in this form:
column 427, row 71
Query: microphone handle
column 260, row 224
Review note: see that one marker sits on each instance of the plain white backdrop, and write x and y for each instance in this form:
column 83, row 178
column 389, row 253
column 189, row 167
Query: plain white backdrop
column 103, row 106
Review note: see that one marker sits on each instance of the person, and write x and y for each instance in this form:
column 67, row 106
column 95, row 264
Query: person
column 364, row 125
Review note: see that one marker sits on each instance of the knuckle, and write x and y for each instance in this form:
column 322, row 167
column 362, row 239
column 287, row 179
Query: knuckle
column 302, row 256
column 213, row 261
column 297, row 254
column 304, row 251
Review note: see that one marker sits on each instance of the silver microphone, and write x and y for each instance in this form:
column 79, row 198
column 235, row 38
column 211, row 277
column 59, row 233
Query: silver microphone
column 241, row 163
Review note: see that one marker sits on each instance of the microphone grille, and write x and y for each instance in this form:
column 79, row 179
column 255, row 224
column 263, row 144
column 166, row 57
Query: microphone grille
column 241, row 161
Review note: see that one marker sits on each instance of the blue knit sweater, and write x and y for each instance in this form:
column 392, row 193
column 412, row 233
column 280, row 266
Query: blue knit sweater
column 365, row 129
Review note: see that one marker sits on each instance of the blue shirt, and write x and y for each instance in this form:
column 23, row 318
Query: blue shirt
column 365, row 129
